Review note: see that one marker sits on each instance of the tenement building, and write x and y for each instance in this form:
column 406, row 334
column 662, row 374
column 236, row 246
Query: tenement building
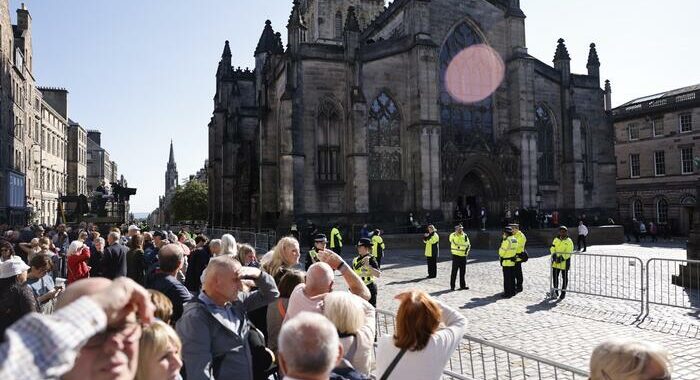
column 371, row 113
column 51, row 173
column 655, row 143
column 77, row 159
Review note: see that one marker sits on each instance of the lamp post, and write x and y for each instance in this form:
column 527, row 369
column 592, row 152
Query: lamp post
column 538, row 199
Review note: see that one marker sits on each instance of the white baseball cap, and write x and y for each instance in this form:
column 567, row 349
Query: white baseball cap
column 134, row 227
column 12, row 267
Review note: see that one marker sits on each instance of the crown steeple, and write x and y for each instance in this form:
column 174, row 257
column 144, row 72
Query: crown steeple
column 171, row 172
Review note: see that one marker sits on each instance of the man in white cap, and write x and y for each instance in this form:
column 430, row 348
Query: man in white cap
column 16, row 299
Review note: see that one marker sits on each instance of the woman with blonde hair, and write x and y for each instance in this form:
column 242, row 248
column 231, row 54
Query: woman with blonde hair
column 228, row 246
column 284, row 256
column 159, row 353
column 247, row 256
column 355, row 321
column 629, row 360
column 427, row 333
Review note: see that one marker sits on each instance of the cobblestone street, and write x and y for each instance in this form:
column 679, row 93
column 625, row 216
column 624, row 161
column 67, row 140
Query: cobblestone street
column 563, row 331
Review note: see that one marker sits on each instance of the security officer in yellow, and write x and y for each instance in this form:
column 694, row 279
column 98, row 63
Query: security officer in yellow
column 378, row 246
column 460, row 246
column 521, row 256
column 432, row 250
column 367, row 268
column 336, row 240
column 507, row 254
column 561, row 250
column 319, row 245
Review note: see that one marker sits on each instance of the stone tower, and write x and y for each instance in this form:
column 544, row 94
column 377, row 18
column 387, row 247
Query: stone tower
column 171, row 172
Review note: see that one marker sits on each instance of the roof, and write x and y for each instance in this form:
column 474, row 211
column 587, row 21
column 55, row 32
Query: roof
column 665, row 94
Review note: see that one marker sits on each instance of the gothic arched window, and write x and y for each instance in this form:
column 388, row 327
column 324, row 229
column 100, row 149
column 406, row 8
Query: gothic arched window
column 384, row 136
column 662, row 211
column 545, row 145
column 328, row 143
column 463, row 124
column 338, row 25
column 637, row 209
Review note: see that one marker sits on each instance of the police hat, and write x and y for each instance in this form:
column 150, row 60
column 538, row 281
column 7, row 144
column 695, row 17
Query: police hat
column 364, row 242
column 459, row 225
column 515, row 225
column 320, row 238
column 508, row 229
column 563, row 228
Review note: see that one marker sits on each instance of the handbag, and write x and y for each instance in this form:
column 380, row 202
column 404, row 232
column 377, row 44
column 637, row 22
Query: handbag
column 393, row 364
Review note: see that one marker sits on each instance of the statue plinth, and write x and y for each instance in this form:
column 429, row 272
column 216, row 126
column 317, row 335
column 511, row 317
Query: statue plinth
column 685, row 276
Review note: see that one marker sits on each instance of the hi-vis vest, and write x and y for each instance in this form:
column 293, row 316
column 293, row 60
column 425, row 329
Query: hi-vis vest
column 432, row 247
column 361, row 271
column 377, row 246
column 314, row 255
column 336, row 239
column 520, row 237
column 459, row 244
column 507, row 252
column 561, row 249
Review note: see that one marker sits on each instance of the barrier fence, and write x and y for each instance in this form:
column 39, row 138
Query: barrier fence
column 261, row 241
column 658, row 281
column 476, row 358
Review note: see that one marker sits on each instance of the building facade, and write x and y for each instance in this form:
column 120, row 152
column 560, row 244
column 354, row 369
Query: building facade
column 99, row 166
column 354, row 121
column 76, row 183
column 655, row 145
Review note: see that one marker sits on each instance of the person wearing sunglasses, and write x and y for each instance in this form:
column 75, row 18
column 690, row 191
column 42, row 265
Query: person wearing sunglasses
column 629, row 360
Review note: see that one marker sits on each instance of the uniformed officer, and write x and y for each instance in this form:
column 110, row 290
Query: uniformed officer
column 319, row 245
column 367, row 268
column 561, row 250
column 507, row 253
column 378, row 246
column 432, row 250
column 459, row 246
column 336, row 240
column 520, row 256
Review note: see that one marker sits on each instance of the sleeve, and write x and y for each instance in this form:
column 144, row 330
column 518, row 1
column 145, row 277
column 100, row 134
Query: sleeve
column 196, row 348
column 266, row 294
column 84, row 254
column 373, row 263
column 45, row 346
column 27, row 301
column 551, row 248
column 469, row 244
column 449, row 337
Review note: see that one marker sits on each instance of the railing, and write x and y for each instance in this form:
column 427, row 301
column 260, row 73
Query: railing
column 673, row 282
column 610, row 276
column 261, row 241
column 476, row 358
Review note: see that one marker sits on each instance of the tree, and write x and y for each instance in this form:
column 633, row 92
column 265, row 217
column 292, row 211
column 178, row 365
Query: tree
column 190, row 202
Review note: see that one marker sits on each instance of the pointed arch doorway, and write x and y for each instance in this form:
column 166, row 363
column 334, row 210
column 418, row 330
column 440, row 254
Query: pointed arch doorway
column 477, row 189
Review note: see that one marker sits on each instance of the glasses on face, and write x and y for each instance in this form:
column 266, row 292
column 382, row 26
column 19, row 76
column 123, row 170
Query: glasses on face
column 130, row 332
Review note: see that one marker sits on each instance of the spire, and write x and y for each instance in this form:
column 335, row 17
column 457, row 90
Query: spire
column 225, row 71
column 351, row 23
column 227, row 51
column 295, row 16
column 171, row 160
column 562, row 54
column 268, row 41
column 279, row 49
column 593, row 57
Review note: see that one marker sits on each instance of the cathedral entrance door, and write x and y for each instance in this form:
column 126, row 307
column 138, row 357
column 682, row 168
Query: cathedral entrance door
column 477, row 191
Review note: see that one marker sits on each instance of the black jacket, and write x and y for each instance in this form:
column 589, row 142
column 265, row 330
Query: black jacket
column 114, row 261
column 174, row 290
column 197, row 262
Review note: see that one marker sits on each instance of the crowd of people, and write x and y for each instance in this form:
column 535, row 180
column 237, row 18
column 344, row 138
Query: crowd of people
column 164, row 305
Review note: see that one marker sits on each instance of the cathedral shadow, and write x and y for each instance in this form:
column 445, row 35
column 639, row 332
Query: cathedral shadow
column 483, row 301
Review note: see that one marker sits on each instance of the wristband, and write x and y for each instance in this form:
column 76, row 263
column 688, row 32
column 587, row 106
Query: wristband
column 340, row 266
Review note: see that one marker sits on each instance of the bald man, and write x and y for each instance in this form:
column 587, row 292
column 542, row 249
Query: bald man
column 170, row 258
column 215, row 324
column 46, row 346
column 319, row 282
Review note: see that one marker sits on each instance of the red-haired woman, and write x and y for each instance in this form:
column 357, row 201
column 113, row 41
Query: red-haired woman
column 427, row 332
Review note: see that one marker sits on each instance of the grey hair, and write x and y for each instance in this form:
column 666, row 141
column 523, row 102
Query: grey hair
column 215, row 243
column 228, row 245
column 100, row 240
column 309, row 344
column 114, row 235
column 626, row 360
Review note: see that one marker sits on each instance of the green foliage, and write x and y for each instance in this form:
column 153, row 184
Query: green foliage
column 189, row 202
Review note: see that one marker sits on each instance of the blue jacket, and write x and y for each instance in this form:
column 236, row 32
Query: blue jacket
column 174, row 290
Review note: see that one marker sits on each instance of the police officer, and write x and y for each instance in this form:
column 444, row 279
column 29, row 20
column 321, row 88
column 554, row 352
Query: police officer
column 460, row 246
column 561, row 250
column 378, row 246
column 520, row 256
column 336, row 240
column 367, row 268
column 432, row 250
column 507, row 253
column 319, row 245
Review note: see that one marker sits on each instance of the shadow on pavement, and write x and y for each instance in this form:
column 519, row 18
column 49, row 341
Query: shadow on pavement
column 543, row 305
column 478, row 302
column 409, row 281
column 441, row 292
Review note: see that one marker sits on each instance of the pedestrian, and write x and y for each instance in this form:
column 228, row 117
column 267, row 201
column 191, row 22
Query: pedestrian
column 582, row 233
column 159, row 353
column 521, row 256
column 620, row 359
column 78, row 255
column 284, row 256
column 319, row 245
column 336, row 240
column 432, row 250
column 16, row 297
column 114, row 259
column 136, row 260
column 367, row 268
column 642, row 231
column 653, row 231
column 198, row 261
column 364, row 231
column 355, row 321
column 278, row 310
column 40, row 281
column 507, row 255
column 482, row 218
column 378, row 246
column 561, row 250
column 309, row 347
column 170, row 258
column 460, row 247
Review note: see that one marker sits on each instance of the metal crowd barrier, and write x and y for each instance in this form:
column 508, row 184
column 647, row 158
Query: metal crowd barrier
column 673, row 282
column 610, row 276
column 261, row 241
column 476, row 358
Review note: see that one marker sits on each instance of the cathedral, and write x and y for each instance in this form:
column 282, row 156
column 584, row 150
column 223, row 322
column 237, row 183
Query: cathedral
column 354, row 121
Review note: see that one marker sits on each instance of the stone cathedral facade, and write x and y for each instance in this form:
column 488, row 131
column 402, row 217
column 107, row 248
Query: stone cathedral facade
column 351, row 122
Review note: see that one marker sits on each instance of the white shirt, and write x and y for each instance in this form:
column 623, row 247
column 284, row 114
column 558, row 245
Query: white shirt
column 428, row 363
column 583, row 230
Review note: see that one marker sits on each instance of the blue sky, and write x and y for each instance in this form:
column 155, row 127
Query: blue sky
column 143, row 71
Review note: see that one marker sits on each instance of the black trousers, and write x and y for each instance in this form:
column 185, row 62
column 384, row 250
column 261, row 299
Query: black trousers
column 432, row 266
column 581, row 239
column 379, row 260
column 459, row 263
column 509, row 281
column 518, row 273
column 373, row 294
column 564, row 276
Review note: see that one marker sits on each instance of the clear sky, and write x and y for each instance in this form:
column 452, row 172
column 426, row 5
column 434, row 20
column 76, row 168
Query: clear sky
column 143, row 71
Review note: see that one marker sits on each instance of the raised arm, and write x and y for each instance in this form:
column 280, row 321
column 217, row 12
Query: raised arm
column 354, row 282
